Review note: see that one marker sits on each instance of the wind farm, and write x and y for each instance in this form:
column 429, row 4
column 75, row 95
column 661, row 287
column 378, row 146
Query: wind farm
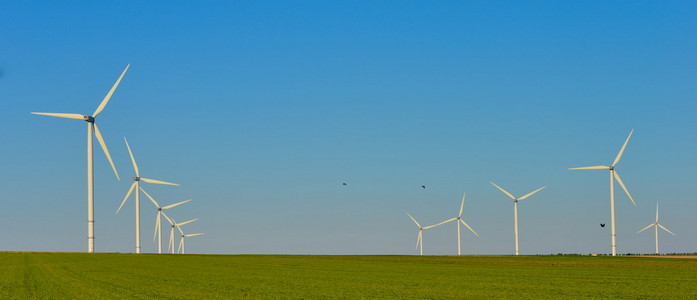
column 282, row 145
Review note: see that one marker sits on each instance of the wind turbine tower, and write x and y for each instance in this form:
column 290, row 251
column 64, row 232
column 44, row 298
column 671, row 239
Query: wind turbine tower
column 515, row 202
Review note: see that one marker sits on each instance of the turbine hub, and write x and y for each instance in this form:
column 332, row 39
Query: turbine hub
column 135, row 178
column 89, row 119
column 159, row 208
column 612, row 168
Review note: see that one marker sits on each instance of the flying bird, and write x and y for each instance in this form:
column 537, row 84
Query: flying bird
column 344, row 183
column 423, row 187
column 602, row 224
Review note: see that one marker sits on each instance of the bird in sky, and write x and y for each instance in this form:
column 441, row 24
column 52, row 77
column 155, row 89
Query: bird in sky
column 344, row 183
column 602, row 224
column 423, row 187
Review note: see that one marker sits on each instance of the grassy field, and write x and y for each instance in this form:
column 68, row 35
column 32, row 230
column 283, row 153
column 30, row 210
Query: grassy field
column 102, row 276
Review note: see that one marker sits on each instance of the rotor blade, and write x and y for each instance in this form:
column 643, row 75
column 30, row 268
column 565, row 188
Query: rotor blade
column 617, row 159
column 180, row 229
column 591, row 168
column 181, row 242
column 60, row 115
column 656, row 211
column 504, row 191
column 126, row 198
column 412, row 218
column 168, row 219
column 151, row 199
column 157, row 225
column 647, row 227
column 666, row 229
column 193, row 234
column 184, row 223
column 462, row 204
column 106, row 151
column 528, row 195
column 173, row 205
column 441, row 223
column 470, row 228
column 106, row 99
column 171, row 240
column 418, row 239
column 132, row 159
column 617, row 176
column 156, row 181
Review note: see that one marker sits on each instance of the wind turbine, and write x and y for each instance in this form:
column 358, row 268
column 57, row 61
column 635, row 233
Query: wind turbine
column 656, row 225
column 613, row 176
column 171, row 233
column 136, row 184
column 457, row 220
column 515, row 202
column 181, row 241
column 90, row 161
column 158, row 222
column 419, row 240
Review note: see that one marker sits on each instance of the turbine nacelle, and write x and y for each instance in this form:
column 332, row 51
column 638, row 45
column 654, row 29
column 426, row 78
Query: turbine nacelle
column 136, row 178
column 89, row 119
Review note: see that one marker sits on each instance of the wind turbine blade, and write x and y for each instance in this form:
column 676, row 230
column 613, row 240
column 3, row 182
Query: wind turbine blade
column 441, row 223
column 181, row 242
column 412, row 218
column 656, row 211
column 504, row 191
column 666, row 229
column 106, row 151
column 180, row 229
column 173, row 205
column 108, row 96
column 157, row 225
column 470, row 228
column 168, row 219
column 647, row 227
column 591, row 168
column 126, row 198
column 418, row 239
column 171, row 240
column 156, row 181
column 617, row 176
column 462, row 204
column 617, row 159
column 528, row 195
column 60, row 115
column 184, row 223
column 193, row 234
column 151, row 199
column 132, row 159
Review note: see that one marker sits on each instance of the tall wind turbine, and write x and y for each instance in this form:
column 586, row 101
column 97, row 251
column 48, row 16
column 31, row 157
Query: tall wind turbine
column 457, row 220
column 181, row 241
column 515, row 202
column 136, row 184
column 613, row 176
column 656, row 225
column 158, row 221
column 90, row 161
column 171, row 233
column 419, row 240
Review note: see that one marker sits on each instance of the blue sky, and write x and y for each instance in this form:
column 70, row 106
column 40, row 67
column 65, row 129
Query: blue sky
column 261, row 110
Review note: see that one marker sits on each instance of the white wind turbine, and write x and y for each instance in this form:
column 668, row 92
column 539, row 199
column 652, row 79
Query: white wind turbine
column 656, row 225
column 613, row 176
column 419, row 240
column 181, row 241
column 136, row 184
column 158, row 221
column 515, row 201
column 457, row 220
column 90, row 161
column 173, row 224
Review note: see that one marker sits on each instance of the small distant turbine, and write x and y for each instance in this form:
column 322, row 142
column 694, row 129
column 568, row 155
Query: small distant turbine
column 613, row 176
column 158, row 221
column 171, row 233
column 457, row 220
column 515, row 202
column 91, row 124
column 419, row 240
column 181, row 241
column 136, row 184
column 655, row 224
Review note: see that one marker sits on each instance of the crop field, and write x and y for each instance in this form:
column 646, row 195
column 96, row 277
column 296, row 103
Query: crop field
column 26, row 275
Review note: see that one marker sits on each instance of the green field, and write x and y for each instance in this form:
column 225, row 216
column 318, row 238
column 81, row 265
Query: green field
column 102, row 276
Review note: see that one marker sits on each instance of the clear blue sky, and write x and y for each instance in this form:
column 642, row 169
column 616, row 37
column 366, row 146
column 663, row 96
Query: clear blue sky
column 261, row 110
